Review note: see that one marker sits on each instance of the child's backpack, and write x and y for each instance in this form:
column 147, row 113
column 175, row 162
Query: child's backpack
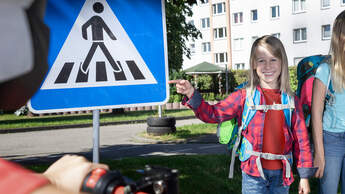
column 306, row 70
column 227, row 130
column 229, row 133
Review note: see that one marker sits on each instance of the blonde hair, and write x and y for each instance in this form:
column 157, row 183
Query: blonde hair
column 276, row 48
column 337, row 52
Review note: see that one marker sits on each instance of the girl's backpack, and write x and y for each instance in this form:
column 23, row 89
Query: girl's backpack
column 227, row 130
column 306, row 70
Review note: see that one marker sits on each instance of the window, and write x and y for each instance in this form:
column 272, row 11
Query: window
column 218, row 8
column 219, row 33
column 238, row 43
column 300, row 35
column 275, row 12
column 325, row 3
column 239, row 66
column 342, row 2
column 296, row 60
column 238, row 18
column 254, row 15
column 206, row 47
column 277, row 35
column 298, row 6
column 203, row 1
column 192, row 47
column 205, row 23
column 254, row 38
column 221, row 57
column 326, row 32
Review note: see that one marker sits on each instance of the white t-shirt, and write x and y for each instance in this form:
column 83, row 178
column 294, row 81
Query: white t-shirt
column 16, row 51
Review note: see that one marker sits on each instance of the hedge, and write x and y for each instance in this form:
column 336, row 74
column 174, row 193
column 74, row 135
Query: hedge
column 208, row 84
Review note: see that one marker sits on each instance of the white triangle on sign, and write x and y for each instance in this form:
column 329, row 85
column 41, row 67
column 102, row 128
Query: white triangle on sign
column 97, row 52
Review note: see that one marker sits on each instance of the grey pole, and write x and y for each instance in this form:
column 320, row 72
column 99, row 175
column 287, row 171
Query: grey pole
column 160, row 111
column 95, row 155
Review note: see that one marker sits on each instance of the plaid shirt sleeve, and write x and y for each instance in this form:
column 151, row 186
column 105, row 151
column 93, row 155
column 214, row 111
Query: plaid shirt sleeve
column 226, row 109
column 301, row 148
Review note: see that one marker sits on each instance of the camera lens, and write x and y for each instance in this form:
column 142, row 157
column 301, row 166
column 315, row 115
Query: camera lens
column 159, row 187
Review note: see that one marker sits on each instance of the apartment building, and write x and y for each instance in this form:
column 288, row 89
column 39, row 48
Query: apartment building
column 229, row 27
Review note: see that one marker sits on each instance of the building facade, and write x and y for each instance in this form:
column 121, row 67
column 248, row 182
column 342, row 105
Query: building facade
column 229, row 27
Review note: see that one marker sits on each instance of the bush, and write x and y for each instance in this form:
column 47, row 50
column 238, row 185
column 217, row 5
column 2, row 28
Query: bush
column 220, row 97
column 235, row 78
column 204, row 96
column 177, row 98
column 293, row 78
column 209, row 84
column 241, row 76
column 205, row 82
column 171, row 98
column 211, row 97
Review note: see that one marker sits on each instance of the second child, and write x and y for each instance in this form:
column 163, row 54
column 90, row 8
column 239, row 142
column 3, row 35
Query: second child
column 268, row 133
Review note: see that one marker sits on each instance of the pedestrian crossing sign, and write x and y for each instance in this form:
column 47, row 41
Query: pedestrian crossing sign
column 104, row 54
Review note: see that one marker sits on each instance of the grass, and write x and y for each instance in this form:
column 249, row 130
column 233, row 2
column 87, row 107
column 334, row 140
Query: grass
column 11, row 121
column 185, row 132
column 197, row 173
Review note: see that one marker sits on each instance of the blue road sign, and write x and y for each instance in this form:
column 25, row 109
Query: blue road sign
column 104, row 54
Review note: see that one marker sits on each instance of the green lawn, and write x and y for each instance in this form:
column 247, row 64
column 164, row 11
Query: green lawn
column 10, row 121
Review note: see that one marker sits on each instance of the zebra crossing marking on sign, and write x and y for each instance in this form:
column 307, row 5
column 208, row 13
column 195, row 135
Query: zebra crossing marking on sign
column 97, row 52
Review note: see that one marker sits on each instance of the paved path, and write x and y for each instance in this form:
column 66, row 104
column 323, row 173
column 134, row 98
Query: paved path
column 116, row 141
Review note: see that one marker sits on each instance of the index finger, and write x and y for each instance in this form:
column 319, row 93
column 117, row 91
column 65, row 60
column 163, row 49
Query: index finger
column 174, row 81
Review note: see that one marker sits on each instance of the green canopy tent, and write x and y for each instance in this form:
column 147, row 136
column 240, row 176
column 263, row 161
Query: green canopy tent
column 205, row 68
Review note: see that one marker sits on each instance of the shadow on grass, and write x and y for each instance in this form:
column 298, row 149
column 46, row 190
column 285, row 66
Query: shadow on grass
column 198, row 172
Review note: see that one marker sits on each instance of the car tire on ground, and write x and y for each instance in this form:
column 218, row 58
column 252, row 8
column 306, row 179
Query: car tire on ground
column 161, row 121
column 160, row 130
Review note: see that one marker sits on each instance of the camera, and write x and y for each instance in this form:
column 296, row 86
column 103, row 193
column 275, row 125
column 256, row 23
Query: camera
column 154, row 180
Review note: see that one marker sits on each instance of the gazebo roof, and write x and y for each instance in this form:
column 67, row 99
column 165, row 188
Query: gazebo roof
column 204, row 68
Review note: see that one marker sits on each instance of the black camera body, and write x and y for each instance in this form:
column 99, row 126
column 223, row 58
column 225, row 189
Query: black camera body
column 155, row 180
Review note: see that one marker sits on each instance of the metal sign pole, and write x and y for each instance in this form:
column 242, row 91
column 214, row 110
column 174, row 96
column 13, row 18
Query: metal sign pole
column 95, row 155
column 160, row 111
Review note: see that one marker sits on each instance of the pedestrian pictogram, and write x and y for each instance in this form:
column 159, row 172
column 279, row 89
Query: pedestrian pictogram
column 103, row 55
column 106, row 55
column 97, row 25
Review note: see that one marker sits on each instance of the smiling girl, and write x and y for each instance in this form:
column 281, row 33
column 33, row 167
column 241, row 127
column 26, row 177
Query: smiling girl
column 274, row 141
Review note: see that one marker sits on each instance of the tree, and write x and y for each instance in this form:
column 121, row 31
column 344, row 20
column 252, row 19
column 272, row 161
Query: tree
column 179, row 31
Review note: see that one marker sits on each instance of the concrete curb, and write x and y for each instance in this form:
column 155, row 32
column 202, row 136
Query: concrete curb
column 204, row 139
column 30, row 129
